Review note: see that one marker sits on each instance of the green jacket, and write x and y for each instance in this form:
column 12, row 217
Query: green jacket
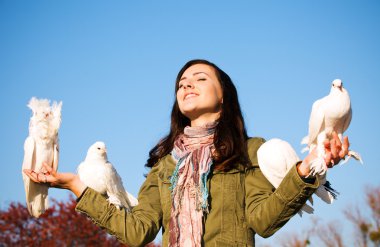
column 242, row 203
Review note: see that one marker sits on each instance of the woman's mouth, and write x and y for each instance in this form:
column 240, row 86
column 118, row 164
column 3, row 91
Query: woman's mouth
column 190, row 95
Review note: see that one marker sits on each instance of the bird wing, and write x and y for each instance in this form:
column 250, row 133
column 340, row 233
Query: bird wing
column 35, row 194
column 133, row 200
column 56, row 121
column 317, row 117
column 28, row 163
column 29, row 159
column 55, row 155
column 275, row 158
column 347, row 121
column 115, row 186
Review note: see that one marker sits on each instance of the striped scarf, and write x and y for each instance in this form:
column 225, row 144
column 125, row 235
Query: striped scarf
column 192, row 152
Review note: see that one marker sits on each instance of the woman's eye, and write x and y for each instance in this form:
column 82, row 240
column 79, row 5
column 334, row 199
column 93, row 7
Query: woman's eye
column 201, row 79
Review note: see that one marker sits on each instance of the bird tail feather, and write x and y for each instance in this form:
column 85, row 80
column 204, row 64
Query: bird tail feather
column 306, row 209
column 37, row 200
column 355, row 155
column 305, row 141
column 132, row 200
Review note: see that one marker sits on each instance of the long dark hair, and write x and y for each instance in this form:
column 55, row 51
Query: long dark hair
column 230, row 133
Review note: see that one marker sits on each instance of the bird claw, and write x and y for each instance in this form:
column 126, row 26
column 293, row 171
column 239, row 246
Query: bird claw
column 317, row 167
column 114, row 201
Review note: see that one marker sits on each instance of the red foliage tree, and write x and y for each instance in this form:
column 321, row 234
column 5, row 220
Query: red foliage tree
column 60, row 225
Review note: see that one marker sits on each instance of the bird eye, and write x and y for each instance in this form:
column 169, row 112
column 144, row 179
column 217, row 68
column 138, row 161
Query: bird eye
column 98, row 148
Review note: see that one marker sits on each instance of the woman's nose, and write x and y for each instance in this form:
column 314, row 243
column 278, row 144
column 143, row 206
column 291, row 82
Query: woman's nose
column 188, row 84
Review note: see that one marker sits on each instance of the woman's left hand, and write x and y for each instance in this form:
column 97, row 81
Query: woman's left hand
column 335, row 151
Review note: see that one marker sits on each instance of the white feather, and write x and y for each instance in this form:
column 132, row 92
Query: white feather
column 98, row 173
column 41, row 146
column 276, row 157
column 330, row 113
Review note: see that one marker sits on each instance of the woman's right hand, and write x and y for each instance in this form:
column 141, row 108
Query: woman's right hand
column 55, row 179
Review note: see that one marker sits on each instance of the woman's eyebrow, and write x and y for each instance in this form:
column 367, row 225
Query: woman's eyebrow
column 196, row 73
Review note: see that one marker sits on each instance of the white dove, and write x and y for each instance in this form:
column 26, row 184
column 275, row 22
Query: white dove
column 329, row 114
column 276, row 157
column 98, row 173
column 41, row 146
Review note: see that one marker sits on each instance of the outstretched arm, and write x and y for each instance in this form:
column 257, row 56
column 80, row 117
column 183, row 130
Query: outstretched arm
column 268, row 209
column 135, row 229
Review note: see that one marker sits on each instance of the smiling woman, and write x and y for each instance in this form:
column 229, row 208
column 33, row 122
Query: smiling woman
column 205, row 187
column 199, row 94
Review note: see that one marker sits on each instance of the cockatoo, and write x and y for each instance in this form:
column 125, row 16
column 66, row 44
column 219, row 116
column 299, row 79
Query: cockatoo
column 98, row 173
column 329, row 114
column 41, row 146
column 276, row 157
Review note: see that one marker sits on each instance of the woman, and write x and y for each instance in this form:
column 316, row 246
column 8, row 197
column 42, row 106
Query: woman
column 205, row 187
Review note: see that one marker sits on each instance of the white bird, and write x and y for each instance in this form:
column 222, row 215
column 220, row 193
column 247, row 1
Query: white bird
column 41, row 146
column 98, row 173
column 276, row 157
column 329, row 114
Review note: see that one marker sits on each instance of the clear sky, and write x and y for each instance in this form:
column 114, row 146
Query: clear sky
column 113, row 64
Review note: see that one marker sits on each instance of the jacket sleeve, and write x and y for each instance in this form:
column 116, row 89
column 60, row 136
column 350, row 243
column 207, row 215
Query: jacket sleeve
column 267, row 208
column 136, row 228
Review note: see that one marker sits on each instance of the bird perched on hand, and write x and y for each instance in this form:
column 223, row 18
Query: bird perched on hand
column 276, row 157
column 98, row 173
column 41, row 146
column 330, row 114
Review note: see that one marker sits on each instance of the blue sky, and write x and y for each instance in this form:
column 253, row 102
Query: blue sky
column 113, row 64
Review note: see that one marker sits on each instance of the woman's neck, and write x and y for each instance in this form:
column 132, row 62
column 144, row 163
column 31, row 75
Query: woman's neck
column 205, row 119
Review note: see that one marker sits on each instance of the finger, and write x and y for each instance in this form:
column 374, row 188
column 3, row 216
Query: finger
column 344, row 151
column 334, row 151
column 49, row 169
column 331, row 164
column 31, row 174
column 41, row 177
column 328, row 159
column 336, row 138
column 346, row 143
column 327, row 144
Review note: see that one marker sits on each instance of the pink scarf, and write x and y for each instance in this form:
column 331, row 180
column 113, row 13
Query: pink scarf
column 192, row 151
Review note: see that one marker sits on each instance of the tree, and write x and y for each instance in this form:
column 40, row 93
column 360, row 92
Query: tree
column 60, row 225
column 366, row 228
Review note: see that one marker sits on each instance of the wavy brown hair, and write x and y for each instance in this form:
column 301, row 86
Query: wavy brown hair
column 230, row 133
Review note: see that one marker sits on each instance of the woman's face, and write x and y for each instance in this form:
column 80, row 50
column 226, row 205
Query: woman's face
column 200, row 94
